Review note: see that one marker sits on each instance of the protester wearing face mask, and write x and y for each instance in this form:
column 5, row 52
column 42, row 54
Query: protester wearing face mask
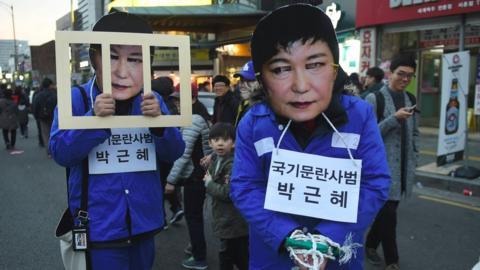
column 277, row 183
column 125, row 196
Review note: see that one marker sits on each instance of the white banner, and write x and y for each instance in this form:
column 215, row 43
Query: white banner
column 313, row 186
column 126, row 150
column 451, row 133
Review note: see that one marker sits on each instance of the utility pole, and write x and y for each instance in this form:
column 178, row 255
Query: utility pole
column 15, row 59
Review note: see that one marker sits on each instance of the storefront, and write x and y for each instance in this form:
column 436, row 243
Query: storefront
column 342, row 14
column 428, row 28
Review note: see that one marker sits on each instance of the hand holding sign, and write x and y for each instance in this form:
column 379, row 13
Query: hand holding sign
column 104, row 105
column 150, row 106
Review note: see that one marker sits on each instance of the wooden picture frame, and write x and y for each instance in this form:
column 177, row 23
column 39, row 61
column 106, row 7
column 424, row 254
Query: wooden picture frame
column 66, row 120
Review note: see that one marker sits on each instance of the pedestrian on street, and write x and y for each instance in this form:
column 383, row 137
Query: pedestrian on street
column 125, row 197
column 8, row 118
column 295, row 54
column 355, row 81
column 373, row 81
column 398, row 125
column 188, row 172
column 164, row 86
column 23, row 109
column 45, row 103
column 228, row 224
column 35, row 113
column 247, row 84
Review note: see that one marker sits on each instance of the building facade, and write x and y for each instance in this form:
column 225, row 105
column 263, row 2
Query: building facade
column 7, row 53
column 428, row 28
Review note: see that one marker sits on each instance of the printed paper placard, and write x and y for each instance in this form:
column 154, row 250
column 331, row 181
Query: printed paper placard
column 126, row 150
column 313, row 186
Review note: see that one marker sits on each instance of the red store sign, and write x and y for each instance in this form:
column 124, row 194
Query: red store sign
column 374, row 12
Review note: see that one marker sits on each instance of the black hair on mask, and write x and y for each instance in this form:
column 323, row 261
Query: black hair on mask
column 285, row 25
column 222, row 130
column 119, row 22
column 405, row 59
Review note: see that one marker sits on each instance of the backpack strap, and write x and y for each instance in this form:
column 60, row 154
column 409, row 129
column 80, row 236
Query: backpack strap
column 85, row 107
column 412, row 98
column 84, row 195
column 380, row 101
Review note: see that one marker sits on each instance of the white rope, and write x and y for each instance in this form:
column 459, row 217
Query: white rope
column 347, row 251
column 283, row 134
column 341, row 137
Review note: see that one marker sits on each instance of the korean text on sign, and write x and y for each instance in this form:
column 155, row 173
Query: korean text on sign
column 298, row 184
column 126, row 150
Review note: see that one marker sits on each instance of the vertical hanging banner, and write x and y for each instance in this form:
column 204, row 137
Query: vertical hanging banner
column 477, row 89
column 367, row 50
column 451, row 132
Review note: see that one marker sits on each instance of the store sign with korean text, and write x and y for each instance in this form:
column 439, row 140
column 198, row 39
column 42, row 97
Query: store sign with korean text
column 126, row 150
column 451, row 133
column 392, row 11
column 367, row 49
column 313, row 186
column 449, row 37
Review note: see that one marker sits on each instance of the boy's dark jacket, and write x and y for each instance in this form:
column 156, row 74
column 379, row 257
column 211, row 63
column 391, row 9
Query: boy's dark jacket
column 227, row 221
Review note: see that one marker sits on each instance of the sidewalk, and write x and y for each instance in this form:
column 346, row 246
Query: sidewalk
column 430, row 175
column 431, row 131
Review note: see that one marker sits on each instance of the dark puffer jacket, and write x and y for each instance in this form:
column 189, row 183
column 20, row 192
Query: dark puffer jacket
column 228, row 223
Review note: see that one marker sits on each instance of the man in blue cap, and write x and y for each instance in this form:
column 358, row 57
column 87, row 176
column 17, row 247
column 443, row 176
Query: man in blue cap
column 247, row 83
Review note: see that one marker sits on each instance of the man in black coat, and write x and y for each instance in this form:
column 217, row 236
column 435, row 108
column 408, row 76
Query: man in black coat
column 226, row 104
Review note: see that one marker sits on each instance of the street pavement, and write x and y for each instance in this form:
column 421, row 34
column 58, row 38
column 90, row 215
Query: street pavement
column 437, row 228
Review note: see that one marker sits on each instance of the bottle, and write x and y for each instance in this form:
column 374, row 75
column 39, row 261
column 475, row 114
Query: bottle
column 453, row 110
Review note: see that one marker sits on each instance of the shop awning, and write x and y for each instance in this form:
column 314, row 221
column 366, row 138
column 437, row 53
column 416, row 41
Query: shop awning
column 207, row 18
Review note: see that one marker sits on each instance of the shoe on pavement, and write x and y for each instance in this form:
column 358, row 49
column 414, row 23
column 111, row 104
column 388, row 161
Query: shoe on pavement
column 372, row 256
column 176, row 217
column 191, row 263
column 393, row 266
column 188, row 250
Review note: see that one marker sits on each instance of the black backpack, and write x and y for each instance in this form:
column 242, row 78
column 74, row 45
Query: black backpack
column 46, row 103
column 380, row 100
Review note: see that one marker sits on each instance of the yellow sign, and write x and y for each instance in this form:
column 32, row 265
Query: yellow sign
column 156, row 3
column 172, row 55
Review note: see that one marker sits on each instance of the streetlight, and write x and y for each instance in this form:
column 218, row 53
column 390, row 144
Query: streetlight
column 14, row 36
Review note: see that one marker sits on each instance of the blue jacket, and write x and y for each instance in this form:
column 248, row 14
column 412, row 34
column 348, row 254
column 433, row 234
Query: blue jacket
column 110, row 196
column 268, row 229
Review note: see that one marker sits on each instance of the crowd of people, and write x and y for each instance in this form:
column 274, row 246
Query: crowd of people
column 291, row 99
column 16, row 107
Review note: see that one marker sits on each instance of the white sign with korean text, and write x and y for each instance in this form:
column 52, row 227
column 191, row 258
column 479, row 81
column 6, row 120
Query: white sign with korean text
column 126, row 150
column 313, row 186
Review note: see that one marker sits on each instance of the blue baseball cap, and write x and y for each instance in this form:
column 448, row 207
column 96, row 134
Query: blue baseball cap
column 247, row 72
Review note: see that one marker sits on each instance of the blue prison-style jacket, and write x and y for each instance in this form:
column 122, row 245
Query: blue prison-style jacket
column 110, row 196
column 268, row 229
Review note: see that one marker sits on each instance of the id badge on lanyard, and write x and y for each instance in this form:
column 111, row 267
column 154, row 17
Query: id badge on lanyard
column 314, row 186
column 80, row 238
column 126, row 150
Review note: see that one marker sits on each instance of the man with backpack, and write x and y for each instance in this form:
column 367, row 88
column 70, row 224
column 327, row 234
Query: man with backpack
column 398, row 125
column 44, row 106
